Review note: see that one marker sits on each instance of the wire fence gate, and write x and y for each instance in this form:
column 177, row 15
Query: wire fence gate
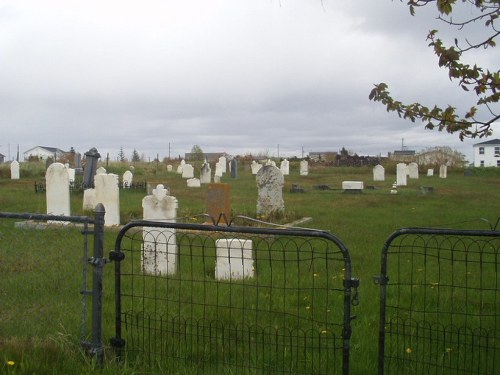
column 225, row 298
column 440, row 302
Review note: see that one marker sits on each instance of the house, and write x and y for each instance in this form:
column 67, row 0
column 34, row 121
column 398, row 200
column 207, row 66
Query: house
column 487, row 154
column 2, row 158
column 42, row 153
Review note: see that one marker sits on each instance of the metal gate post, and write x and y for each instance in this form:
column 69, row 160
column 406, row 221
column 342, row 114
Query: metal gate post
column 98, row 262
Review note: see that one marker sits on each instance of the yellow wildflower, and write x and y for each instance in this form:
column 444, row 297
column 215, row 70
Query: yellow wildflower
column 409, row 350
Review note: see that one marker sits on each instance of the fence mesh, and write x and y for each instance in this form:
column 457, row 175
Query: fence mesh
column 442, row 303
column 216, row 301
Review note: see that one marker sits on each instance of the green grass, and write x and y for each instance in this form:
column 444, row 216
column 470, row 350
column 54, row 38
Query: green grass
column 41, row 270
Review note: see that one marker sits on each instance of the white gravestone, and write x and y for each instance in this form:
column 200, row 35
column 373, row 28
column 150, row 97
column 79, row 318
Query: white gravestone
column 57, row 190
column 401, row 174
column 413, row 171
column 89, row 201
column 430, row 172
column 206, row 174
column 357, row 186
column 181, row 166
column 304, row 168
column 270, row 183
column 285, row 167
column 218, row 170
column 71, row 175
column 443, row 171
column 14, row 170
column 255, row 167
column 234, row 259
column 127, row 179
column 223, row 164
column 159, row 249
column 187, row 171
column 100, row 170
column 108, row 193
column 169, row 168
column 378, row 173
column 193, row 182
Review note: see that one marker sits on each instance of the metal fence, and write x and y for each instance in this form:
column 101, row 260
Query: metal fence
column 440, row 302
column 32, row 243
column 225, row 299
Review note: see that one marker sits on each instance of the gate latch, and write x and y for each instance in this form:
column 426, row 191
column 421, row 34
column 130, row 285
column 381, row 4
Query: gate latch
column 98, row 262
column 353, row 283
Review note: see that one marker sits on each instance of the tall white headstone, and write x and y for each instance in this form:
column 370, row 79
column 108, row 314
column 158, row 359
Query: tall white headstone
column 14, row 170
column 187, row 171
column 234, row 259
column 401, row 174
column 255, row 167
column 413, row 170
column 57, row 190
column 304, row 168
column 223, row 164
column 378, row 173
column 108, row 193
column 159, row 255
column 430, row 172
column 270, row 183
column 206, row 174
column 285, row 167
column 443, row 171
column 127, row 179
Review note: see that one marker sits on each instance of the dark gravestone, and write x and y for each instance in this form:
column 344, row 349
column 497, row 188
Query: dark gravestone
column 92, row 156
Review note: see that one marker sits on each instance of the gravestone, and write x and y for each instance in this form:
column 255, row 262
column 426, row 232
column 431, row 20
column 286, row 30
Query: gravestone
column 108, row 193
column 352, row 186
column 14, row 170
column 234, row 168
column 270, row 183
column 57, row 190
column 401, row 174
column 255, row 167
column 89, row 201
column 100, row 170
column 181, row 166
column 218, row 170
column 413, row 170
column 169, row 168
column 378, row 173
column 430, row 172
column 77, row 160
column 193, row 182
column 443, row 171
column 285, row 167
column 304, row 168
column 187, row 171
column 159, row 249
column 234, row 259
column 223, row 164
column 71, row 175
column 218, row 201
column 127, row 179
column 89, row 171
column 206, row 174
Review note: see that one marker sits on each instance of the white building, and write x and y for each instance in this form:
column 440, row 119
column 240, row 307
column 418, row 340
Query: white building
column 487, row 154
column 43, row 153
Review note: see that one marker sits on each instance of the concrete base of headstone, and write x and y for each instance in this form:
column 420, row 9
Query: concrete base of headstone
column 234, row 259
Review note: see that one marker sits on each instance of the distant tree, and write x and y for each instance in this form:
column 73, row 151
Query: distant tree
column 196, row 154
column 478, row 120
column 121, row 155
column 135, row 156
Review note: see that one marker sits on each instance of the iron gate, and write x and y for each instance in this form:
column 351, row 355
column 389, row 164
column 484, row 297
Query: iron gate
column 440, row 302
column 219, row 299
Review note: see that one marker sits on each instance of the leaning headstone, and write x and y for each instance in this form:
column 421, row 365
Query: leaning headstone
column 218, row 202
column 401, row 174
column 187, row 171
column 413, row 170
column 206, row 174
column 14, row 170
column 127, row 179
column 255, row 167
column 89, row 171
column 443, row 171
column 378, row 173
column 430, row 172
column 108, row 193
column 57, row 190
column 304, row 168
column 159, row 251
column 234, row 168
column 270, row 183
column 234, row 259
column 193, row 182
column 285, row 167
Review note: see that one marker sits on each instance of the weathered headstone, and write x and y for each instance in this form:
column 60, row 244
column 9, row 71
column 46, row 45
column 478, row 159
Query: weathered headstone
column 218, row 170
column 71, row 175
column 14, row 170
column 270, row 183
column 108, row 193
column 401, row 174
column 304, row 168
column 89, row 171
column 255, row 167
column 193, row 182
column 159, row 252
column 413, row 170
column 234, row 259
column 352, row 186
column 378, row 173
column 218, row 201
column 234, row 168
column 443, row 171
column 430, row 172
column 223, row 164
column 100, row 170
column 57, row 190
column 187, row 171
column 169, row 168
column 180, row 167
column 127, row 179
column 285, row 167
column 206, row 174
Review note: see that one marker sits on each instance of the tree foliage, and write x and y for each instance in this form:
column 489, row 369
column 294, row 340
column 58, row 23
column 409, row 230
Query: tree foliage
column 485, row 84
column 196, row 153
column 135, row 156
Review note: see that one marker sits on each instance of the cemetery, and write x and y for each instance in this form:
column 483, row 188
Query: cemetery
column 232, row 192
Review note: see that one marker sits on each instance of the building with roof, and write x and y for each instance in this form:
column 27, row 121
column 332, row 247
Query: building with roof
column 487, row 154
column 43, row 153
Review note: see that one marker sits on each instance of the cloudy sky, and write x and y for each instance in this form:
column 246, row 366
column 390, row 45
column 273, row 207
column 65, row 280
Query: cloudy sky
column 241, row 76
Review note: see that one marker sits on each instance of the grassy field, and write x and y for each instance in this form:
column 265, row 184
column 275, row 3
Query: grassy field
column 40, row 310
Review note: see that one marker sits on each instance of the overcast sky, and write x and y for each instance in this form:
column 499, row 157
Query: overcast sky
column 240, row 76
